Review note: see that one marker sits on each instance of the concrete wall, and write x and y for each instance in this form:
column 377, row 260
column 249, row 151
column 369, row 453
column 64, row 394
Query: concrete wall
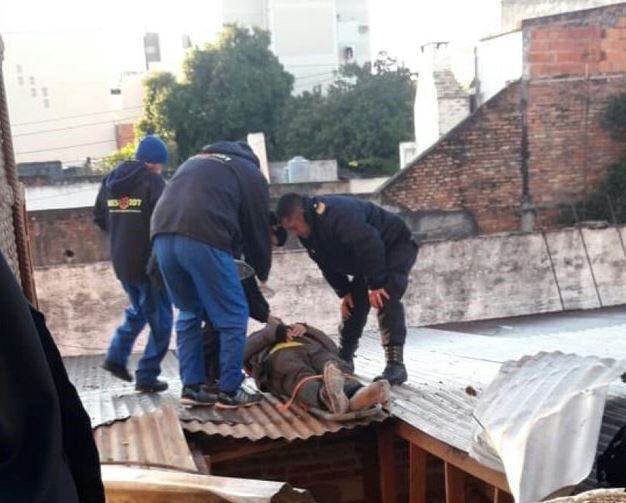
column 456, row 280
column 498, row 62
column 324, row 170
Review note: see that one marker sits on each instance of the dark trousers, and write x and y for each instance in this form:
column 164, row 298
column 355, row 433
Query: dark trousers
column 287, row 367
column 391, row 320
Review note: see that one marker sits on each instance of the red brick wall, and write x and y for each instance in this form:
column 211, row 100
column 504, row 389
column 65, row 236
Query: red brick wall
column 66, row 236
column 572, row 63
column 476, row 166
column 124, row 134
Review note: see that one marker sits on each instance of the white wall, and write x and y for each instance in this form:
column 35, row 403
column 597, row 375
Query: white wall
column 499, row 61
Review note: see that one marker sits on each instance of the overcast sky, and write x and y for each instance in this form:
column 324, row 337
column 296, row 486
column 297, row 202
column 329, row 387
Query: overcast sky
column 397, row 26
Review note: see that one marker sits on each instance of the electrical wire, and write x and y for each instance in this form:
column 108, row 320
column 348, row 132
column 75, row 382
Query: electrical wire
column 75, row 116
column 66, row 147
column 78, row 126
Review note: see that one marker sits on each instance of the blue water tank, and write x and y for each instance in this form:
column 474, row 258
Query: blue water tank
column 298, row 169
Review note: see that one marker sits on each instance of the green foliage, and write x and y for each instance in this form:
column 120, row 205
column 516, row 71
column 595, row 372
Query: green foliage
column 231, row 88
column 366, row 112
column 112, row 160
column 614, row 117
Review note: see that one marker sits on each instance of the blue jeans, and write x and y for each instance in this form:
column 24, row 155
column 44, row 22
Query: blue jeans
column 203, row 283
column 147, row 305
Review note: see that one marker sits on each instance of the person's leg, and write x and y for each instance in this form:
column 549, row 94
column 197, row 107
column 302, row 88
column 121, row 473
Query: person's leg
column 351, row 329
column 157, row 309
column 182, row 291
column 211, row 346
column 217, row 282
column 122, row 342
column 391, row 318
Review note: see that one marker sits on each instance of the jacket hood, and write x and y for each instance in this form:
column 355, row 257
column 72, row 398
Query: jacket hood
column 126, row 175
column 234, row 148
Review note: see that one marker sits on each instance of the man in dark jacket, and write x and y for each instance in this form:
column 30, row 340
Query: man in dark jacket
column 47, row 453
column 365, row 253
column 215, row 207
column 123, row 208
column 303, row 363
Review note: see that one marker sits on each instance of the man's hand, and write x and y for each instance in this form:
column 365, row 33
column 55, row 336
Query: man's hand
column 296, row 330
column 378, row 298
column 347, row 305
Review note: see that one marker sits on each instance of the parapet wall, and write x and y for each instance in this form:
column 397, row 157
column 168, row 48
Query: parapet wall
column 478, row 278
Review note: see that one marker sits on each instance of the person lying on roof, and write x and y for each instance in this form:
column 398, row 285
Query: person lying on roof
column 303, row 363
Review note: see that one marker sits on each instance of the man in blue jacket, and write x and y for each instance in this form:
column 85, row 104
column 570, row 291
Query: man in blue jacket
column 365, row 253
column 124, row 208
column 215, row 208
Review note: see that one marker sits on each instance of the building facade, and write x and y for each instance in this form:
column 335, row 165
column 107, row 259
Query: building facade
column 311, row 38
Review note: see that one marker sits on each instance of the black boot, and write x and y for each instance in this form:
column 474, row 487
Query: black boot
column 395, row 371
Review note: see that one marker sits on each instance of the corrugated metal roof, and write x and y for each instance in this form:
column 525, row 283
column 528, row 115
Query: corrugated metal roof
column 108, row 399
column 152, row 439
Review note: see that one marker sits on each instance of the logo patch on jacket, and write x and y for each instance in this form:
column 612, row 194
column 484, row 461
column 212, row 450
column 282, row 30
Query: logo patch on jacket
column 125, row 205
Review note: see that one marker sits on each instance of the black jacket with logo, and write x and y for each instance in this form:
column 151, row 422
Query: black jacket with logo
column 220, row 198
column 124, row 207
column 350, row 237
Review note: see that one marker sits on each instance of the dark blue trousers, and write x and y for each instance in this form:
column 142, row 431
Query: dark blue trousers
column 204, row 284
column 148, row 305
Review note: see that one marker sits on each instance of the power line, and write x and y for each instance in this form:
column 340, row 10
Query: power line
column 65, row 147
column 89, row 124
column 76, row 116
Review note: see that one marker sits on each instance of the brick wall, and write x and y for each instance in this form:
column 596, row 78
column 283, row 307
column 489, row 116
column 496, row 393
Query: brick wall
column 538, row 141
column 475, row 167
column 124, row 134
column 66, row 236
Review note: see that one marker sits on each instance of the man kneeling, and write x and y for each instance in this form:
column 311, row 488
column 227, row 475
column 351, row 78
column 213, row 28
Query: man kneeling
column 285, row 361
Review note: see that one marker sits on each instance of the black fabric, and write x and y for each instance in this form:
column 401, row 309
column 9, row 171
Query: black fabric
column 351, row 237
column 220, row 198
column 391, row 320
column 124, row 206
column 611, row 467
column 47, row 453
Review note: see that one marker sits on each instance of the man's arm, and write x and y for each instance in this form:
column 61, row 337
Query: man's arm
column 257, row 342
column 258, row 306
column 338, row 281
column 255, row 223
column 157, row 184
column 100, row 209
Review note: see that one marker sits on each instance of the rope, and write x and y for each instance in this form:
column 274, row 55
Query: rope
column 284, row 407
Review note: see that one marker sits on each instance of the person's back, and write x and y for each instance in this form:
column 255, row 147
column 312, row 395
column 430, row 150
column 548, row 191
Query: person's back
column 124, row 208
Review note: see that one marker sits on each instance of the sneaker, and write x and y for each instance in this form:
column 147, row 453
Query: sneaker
column 332, row 393
column 243, row 397
column 151, row 387
column 119, row 371
column 198, row 394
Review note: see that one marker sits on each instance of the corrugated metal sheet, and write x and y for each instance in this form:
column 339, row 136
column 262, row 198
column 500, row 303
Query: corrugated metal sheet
column 108, row 399
column 540, row 420
column 152, row 439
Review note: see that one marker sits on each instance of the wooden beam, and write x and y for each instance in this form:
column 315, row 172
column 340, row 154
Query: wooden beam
column 450, row 455
column 386, row 463
column 247, row 450
column 417, row 474
column 371, row 482
column 455, row 484
column 501, row 496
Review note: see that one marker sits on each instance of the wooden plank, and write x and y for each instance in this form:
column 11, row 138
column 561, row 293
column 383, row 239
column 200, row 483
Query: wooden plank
column 500, row 496
column 417, row 474
column 455, row 484
column 451, row 455
column 371, row 482
column 386, row 463
column 247, row 450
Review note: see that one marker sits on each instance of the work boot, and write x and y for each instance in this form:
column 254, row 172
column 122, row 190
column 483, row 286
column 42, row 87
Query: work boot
column 151, row 387
column 332, row 394
column 119, row 371
column 395, row 371
column 198, row 394
column 242, row 397
column 371, row 395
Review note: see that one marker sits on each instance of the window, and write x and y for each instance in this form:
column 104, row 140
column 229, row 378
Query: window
column 33, row 92
column 46, row 103
column 31, row 79
column 44, row 92
column 18, row 68
column 20, row 81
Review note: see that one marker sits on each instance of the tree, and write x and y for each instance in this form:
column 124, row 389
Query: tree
column 230, row 88
column 366, row 112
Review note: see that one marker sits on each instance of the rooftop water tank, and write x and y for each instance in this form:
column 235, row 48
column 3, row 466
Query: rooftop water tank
column 298, row 169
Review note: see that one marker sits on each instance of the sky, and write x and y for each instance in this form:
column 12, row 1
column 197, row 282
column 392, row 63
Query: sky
column 397, row 26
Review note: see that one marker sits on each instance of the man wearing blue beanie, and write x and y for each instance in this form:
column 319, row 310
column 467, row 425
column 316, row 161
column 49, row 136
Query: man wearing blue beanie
column 123, row 208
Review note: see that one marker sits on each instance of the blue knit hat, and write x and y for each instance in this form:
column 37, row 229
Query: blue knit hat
column 151, row 149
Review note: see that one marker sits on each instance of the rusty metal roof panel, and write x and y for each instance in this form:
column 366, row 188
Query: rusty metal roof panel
column 108, row 400
column 148, row 439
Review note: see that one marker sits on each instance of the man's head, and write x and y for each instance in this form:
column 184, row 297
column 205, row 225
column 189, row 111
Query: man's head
column 290, row 213
column 279, row 233
column 153, row 151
